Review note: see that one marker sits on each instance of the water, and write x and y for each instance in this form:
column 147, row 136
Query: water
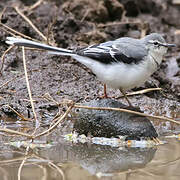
column 64, row 160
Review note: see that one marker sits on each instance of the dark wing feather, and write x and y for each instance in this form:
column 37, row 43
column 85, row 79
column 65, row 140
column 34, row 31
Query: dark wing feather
column 115, row 51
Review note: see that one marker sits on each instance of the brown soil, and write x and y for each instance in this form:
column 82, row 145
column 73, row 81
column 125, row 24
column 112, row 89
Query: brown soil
column 77, row 23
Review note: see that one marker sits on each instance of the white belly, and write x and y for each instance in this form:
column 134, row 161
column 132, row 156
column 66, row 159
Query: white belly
column 125, row 76
column 120, row 75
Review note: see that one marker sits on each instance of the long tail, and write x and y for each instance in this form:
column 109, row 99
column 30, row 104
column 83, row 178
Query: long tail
column 33, row 44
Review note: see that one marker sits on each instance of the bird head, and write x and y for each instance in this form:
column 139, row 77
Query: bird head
column 156, row 45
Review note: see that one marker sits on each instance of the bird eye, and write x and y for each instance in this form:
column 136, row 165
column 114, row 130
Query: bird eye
column 156, row 43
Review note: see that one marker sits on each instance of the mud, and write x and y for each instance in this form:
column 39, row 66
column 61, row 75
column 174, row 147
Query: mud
column 75, row 23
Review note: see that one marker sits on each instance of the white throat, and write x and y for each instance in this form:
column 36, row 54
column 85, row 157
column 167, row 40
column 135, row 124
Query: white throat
column 157, row 54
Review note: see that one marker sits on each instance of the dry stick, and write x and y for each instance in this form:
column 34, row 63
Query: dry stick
column 128, row 111
column 52, row 164
column 7, row 31
column 16, row 32
column 35, row 5
column 143, row 91
column 10, row 131
column 29, row 91
column 2, row 12
column 118, row 23
column 22, row 163
column 30, row 23
column 3, row 56
column 58, row 120
column 111, row 109
column 58, row 169
column 21, row 116
column 14, row 160
column 85, row 15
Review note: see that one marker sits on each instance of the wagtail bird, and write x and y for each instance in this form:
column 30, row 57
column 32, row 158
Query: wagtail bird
column 123, row 64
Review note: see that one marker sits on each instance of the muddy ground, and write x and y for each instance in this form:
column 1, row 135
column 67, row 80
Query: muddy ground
column 75, row 23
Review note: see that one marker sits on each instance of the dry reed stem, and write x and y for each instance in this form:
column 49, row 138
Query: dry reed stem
column 58, row 120
column 7, row 31
column 35, row 5
column 22, row 164
column 76, row 105
column 13, row 160
column 58, row 169
column 143, row 91
column 29, row 92
column 52, row 164
column 29, row 22
column 18, row 114
column 119, row 23
column 10, row 131
column 16, row 32
column 128, row 111
column 2, row 12
column 20, row 168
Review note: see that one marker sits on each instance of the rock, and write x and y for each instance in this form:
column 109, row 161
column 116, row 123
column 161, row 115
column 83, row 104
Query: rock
column 103, row 123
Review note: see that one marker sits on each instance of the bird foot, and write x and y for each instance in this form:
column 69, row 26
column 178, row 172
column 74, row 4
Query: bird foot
column 104, row 96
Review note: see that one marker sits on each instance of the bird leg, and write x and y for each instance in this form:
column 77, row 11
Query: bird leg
column 124, row 94
column 105, row 93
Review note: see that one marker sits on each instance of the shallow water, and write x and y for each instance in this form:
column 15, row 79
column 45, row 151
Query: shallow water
column 65, row 160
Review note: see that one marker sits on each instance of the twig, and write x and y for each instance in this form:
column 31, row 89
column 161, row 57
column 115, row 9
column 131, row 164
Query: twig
column 58, row 169
column 22, row 163
column 58, row 120
column 20, row 168
column 128, row 111
column 2, row 12
column 14, row 132
column 35, row 5
column 51, row 163
column 48, row 97
column 118, row 23
column 76, row 105
column 85, row 15
column 30, row 23
column 29, row 91
column 16, row 32
column 6, row 30
column 21, row 116
column 143, row 91
column 3, row 56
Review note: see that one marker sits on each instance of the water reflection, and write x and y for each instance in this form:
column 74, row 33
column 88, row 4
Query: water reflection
column 85, row 161
column 105, row 159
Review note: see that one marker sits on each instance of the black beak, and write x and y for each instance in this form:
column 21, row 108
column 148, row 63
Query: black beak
column 168, row 45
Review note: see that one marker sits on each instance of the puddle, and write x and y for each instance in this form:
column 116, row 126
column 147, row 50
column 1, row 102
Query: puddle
column 65, row 160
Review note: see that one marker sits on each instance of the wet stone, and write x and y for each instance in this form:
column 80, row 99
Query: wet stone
column 103, row 123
